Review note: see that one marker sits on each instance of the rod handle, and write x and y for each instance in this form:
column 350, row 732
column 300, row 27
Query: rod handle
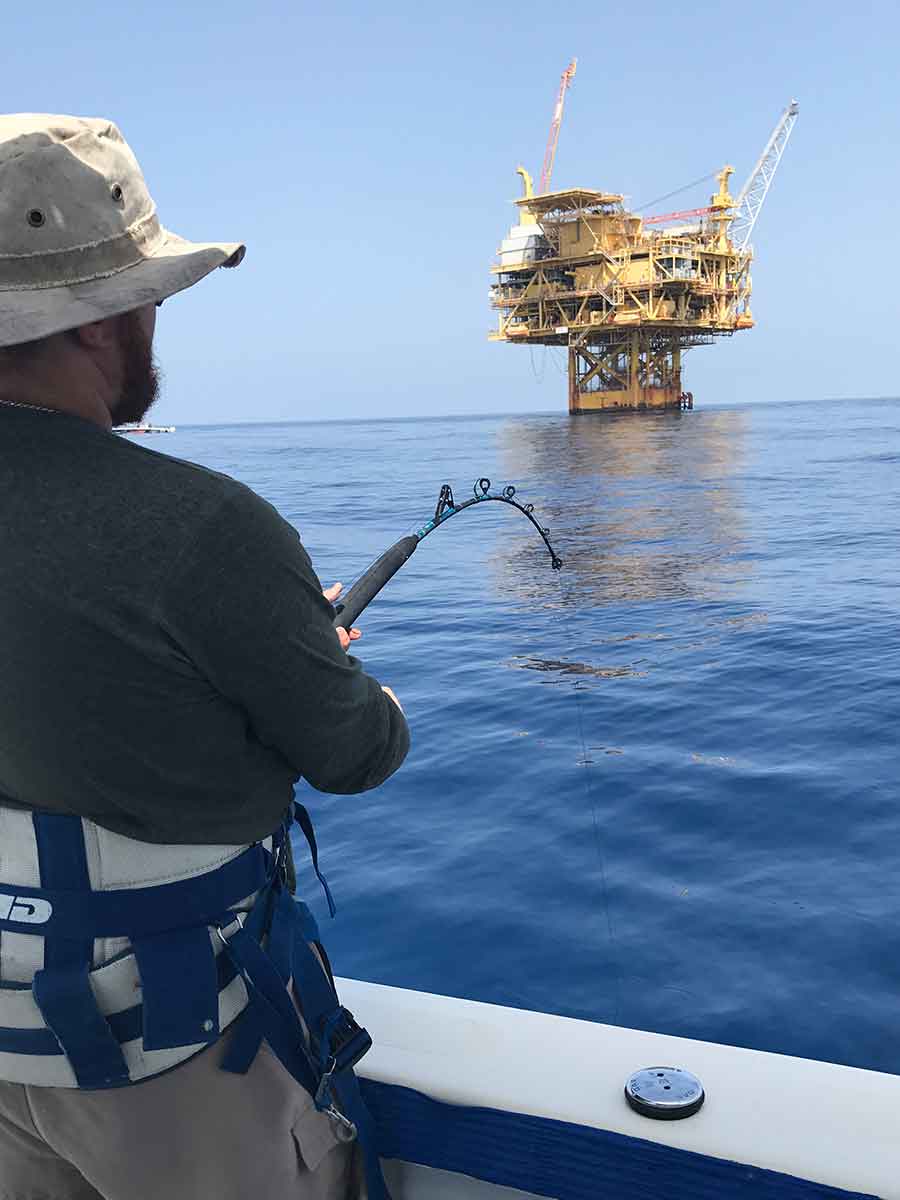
column 373, row 580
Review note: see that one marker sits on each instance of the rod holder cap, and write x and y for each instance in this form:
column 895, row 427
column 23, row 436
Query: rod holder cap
column 664, row 1093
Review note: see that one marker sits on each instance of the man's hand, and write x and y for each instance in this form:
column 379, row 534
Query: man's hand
column 331, row 594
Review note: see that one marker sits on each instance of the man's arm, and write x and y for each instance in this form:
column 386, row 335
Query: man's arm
column 244, row 603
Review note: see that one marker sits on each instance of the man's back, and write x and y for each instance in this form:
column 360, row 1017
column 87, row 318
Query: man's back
column 167, row 662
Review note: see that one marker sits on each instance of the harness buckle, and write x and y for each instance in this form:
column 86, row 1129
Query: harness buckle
column 323, row 1091
column 345, row 1130
column 221, row 936
column 342, row 1041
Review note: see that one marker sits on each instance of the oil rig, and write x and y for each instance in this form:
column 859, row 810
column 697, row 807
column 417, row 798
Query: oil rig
column 626, row 294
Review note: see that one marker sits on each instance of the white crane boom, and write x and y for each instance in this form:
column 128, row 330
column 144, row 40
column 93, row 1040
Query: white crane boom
column 753, row 193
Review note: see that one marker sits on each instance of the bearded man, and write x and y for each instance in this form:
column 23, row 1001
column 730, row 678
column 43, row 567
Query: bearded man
column 168, row 670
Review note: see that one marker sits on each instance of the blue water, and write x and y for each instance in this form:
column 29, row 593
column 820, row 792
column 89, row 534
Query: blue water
column 658, row 789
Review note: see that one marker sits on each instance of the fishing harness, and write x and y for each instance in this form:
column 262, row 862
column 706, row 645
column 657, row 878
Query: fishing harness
column 216, row 946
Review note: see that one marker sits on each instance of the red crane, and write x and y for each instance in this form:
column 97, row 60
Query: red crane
column 688, row 212
column 550, row 153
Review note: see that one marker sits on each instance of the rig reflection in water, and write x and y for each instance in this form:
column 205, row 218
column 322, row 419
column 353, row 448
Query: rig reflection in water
column 645, row 507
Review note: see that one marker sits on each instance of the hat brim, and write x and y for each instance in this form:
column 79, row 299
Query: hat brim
column 26, row 315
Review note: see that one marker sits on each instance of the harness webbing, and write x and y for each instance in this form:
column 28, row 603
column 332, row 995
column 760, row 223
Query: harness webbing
column 181, row 978
column 336, row 1043
column 62, row 989
column 140, row 911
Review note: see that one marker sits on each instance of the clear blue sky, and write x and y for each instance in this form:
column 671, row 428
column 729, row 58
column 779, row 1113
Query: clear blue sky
column 365, row 153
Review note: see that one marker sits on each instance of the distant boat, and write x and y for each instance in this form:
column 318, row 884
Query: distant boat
column 146, row 429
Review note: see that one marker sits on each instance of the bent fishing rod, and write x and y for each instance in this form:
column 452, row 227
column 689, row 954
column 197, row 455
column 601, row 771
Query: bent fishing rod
column 372, row 580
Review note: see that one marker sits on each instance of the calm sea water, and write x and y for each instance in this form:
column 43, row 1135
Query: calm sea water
column 660, row 788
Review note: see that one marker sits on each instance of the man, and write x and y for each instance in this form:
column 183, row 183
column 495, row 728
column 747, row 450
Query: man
column 168, row 670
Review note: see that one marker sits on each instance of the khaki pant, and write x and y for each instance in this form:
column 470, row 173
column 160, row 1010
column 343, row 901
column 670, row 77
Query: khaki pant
column 195, row 1133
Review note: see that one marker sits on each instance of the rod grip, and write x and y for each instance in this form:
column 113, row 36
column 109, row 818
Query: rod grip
column 373, row 580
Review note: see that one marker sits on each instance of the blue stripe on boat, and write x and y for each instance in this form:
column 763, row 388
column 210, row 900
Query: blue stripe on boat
column 569, row 1162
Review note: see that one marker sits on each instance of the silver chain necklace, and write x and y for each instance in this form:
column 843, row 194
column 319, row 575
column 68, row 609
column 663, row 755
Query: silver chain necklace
column 36, row 407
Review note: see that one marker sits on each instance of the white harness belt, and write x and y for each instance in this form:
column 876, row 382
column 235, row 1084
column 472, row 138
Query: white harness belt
column 152, row 988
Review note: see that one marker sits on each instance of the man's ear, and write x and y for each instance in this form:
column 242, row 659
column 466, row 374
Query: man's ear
column 98, row 335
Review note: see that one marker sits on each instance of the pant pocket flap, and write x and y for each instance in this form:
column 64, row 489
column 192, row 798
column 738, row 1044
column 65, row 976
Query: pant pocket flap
column 314, row 1134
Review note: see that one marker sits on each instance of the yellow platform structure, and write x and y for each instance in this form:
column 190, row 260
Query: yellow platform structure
column 625, row 299
column 626, row 295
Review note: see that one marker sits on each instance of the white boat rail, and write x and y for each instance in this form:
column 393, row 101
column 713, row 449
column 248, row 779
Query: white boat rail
column 772, row 1125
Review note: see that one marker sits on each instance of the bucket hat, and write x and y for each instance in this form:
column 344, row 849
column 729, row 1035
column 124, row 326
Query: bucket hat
column 79, row 236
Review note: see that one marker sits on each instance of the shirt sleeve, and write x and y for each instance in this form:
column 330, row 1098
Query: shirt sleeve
column 246, row 606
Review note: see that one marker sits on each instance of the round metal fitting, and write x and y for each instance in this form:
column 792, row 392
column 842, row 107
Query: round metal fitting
column 36, row 218
column 116, row 192
column 664, row 1093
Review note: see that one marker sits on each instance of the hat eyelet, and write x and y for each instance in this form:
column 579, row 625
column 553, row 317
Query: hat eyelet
column 36, row 218
column 117, row 194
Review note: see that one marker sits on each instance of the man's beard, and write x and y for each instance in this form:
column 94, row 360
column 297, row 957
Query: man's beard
column 140, row 377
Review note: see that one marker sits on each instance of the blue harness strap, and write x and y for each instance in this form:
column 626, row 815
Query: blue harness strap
column 67, row 1004
column 302, row 817
column 271, row 1010
column 62, row 989
column 340, row 1043
column 188, row 1012
column 62, row 861
column 324, row 1066
column 68, row 910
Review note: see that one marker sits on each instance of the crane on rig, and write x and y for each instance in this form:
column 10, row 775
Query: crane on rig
column 755, row 190
column 750, row 201
column 626, row 295
column 550, row 152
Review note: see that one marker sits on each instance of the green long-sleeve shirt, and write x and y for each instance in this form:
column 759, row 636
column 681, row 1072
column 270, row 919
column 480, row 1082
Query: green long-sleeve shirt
column 168, row 665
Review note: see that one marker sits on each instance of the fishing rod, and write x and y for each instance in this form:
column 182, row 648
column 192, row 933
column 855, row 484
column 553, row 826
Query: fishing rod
column 372, row 580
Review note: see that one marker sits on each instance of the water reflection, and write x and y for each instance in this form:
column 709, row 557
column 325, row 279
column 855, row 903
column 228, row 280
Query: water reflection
column 645, row 507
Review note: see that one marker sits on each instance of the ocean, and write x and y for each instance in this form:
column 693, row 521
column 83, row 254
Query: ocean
column 657, row 788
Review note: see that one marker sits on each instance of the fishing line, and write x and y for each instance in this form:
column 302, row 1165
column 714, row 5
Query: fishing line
column 604, row 887
column 373, row 579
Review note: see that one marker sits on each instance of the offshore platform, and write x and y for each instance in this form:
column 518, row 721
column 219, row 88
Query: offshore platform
column 627, row 294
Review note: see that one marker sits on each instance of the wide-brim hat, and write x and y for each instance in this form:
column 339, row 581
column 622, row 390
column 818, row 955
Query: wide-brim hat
column 79, row 236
